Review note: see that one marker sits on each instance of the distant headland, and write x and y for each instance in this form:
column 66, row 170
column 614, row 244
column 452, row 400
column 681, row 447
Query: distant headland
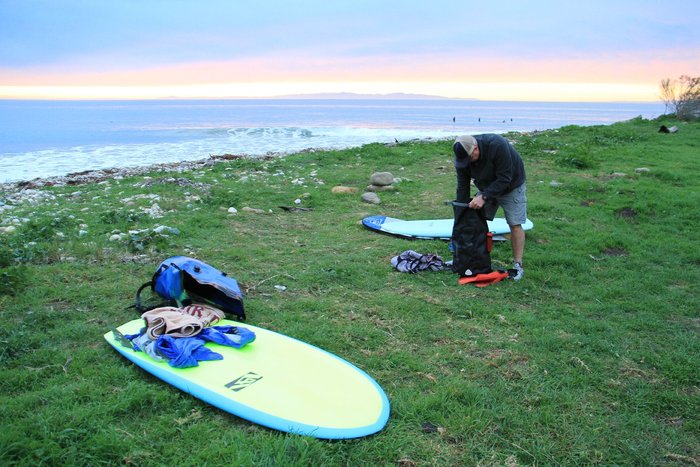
column 352, row 95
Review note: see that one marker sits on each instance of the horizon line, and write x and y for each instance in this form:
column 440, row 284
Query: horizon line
column 323, row 96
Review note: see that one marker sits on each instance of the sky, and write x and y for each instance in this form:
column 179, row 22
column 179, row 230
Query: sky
column 559, row 50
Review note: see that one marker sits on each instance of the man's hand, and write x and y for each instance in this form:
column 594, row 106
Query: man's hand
column 477, row 202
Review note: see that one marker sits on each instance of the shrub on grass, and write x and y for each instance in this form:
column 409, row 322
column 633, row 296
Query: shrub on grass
column 41, row 229
column 13, row 280
column 13, row 277
column 120, row 217
column 580, row 161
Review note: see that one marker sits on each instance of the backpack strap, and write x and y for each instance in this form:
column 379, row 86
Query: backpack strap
column 137, row 300
column 140, row 307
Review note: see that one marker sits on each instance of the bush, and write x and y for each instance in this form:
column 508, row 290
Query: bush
column 12, row 278
column 682, row 96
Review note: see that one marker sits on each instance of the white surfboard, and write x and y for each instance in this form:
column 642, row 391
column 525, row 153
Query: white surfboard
column 436, row 229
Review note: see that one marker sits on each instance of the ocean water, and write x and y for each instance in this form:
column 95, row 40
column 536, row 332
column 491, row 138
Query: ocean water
column 41, row 139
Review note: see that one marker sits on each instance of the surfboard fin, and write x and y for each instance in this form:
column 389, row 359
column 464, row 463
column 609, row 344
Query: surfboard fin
column 119, row 337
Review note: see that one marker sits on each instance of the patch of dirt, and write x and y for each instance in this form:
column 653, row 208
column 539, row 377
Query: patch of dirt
column 615, row 251
column 626, row 213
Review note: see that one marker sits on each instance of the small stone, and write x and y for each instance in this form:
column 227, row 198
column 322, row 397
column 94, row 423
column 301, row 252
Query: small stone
column 641, row 170
column 555, row 183
column 371, row 198
column 381, row 178
column 381, row 188
column 154, row 211
column 165, row 230
column 253, row 210
column 232, row 211
column 337, row 190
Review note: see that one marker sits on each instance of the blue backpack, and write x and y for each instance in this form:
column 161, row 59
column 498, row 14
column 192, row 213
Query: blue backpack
column 181, row 280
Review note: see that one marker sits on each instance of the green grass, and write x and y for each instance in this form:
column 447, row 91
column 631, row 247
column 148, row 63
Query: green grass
column 593, row 358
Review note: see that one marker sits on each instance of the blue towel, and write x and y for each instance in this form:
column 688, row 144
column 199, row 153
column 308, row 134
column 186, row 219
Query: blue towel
column 232, row 336
column 185, row 352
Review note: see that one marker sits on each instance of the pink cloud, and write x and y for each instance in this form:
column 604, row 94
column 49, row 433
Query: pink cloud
column 294, row 67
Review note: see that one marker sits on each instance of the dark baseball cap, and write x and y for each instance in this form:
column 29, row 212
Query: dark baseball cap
column 463, row 149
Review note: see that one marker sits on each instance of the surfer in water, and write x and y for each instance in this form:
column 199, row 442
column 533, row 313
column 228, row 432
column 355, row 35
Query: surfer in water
column 499, row 174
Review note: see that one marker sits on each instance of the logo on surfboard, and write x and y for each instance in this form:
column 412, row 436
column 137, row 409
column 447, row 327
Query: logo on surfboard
column 243, row 381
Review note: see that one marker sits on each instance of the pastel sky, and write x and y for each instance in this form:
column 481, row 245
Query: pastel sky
column 558, row 50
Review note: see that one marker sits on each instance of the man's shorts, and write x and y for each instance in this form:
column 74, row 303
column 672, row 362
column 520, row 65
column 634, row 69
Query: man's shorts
column 514, row 205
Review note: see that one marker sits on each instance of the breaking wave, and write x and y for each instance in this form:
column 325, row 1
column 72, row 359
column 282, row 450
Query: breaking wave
column 195, row 144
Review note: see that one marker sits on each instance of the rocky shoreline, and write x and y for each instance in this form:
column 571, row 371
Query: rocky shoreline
column 99, row 175
column 95, row 176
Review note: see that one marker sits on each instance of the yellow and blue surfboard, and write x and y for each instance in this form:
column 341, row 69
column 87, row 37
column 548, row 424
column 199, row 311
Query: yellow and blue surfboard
column 278, row 382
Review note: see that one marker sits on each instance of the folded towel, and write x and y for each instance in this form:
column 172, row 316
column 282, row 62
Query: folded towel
column 171, row 321
column 208, row 315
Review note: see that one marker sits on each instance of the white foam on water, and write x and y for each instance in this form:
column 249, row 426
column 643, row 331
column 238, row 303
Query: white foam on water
column 238, row 141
